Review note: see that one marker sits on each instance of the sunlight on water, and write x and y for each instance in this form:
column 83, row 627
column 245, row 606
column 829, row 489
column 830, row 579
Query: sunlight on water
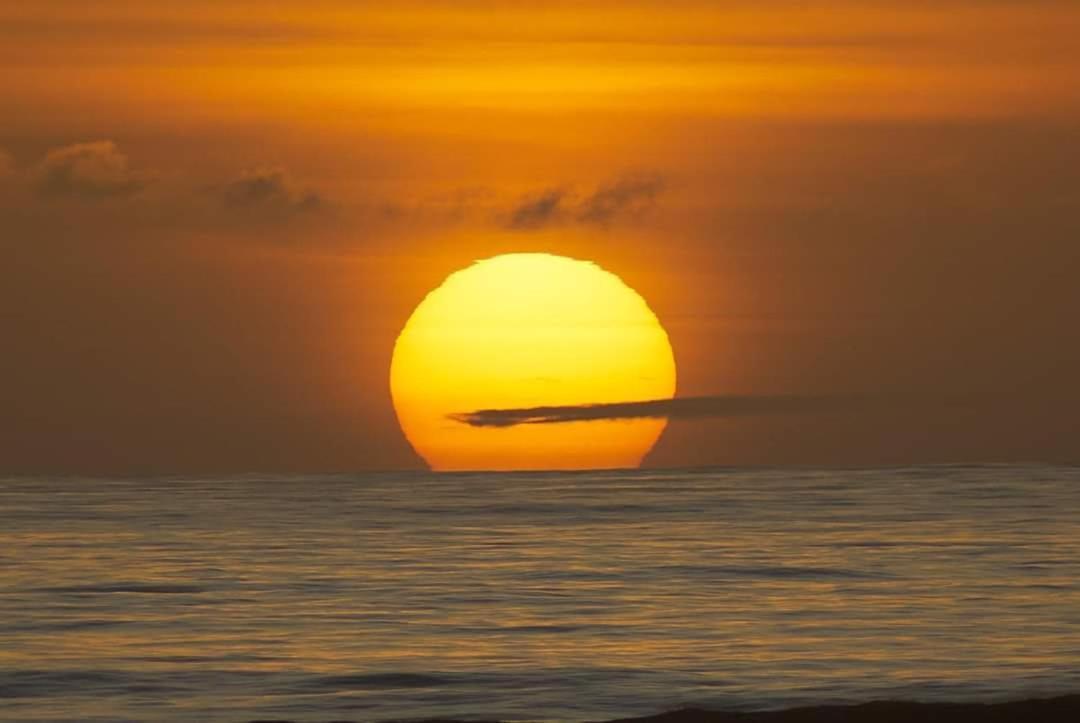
column 562, row 596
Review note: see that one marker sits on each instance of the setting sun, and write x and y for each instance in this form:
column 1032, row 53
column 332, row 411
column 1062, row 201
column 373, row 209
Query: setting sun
column 527, row 330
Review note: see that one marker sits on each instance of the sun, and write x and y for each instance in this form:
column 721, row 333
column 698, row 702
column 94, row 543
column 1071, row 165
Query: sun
column 527, row 330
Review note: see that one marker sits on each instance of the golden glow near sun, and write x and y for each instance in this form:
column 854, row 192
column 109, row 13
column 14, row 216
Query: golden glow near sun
column 528, row 330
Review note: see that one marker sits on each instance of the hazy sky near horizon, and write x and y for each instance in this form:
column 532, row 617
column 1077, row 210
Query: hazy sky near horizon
column 216, row 216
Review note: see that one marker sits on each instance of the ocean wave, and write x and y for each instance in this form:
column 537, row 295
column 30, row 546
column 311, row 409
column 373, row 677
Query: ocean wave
column 134, row 588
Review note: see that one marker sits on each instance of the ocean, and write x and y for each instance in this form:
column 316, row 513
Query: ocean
column 534, row 596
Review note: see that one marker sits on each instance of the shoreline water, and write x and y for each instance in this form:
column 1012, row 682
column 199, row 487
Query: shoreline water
column 1035, row 710
column 1041, row 710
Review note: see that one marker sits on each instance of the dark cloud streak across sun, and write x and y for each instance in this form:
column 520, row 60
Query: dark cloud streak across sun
column 684, row 408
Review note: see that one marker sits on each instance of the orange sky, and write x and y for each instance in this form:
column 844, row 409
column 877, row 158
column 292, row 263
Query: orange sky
column 216, row 216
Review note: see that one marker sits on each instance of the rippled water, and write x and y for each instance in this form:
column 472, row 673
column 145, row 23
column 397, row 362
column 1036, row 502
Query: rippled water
column 534, row 596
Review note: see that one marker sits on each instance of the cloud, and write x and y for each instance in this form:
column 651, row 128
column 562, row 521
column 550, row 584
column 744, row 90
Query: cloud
column 684, row 408
column 270, row 189
column 628, row 195
column 93, row 170
column 538, row 211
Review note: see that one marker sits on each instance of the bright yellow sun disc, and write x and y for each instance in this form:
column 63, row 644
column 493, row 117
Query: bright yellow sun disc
column 529, row 330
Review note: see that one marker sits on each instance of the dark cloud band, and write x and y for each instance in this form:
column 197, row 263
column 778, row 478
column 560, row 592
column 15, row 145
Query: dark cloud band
column 684, row 408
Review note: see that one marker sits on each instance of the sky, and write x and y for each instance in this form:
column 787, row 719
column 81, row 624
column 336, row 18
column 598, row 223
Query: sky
column 215, row 217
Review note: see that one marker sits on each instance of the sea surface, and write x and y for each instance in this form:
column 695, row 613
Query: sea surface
column 540, row 596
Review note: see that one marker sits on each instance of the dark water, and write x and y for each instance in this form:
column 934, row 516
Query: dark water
column 534, row 596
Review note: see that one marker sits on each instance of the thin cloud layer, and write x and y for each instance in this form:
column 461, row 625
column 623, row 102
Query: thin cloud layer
column 684, row 408
column 270, row 189
column 95, row 170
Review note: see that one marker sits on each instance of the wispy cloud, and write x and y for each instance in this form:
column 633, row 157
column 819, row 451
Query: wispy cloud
column 684, row 408
column 537, row 211
column 624, row 197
